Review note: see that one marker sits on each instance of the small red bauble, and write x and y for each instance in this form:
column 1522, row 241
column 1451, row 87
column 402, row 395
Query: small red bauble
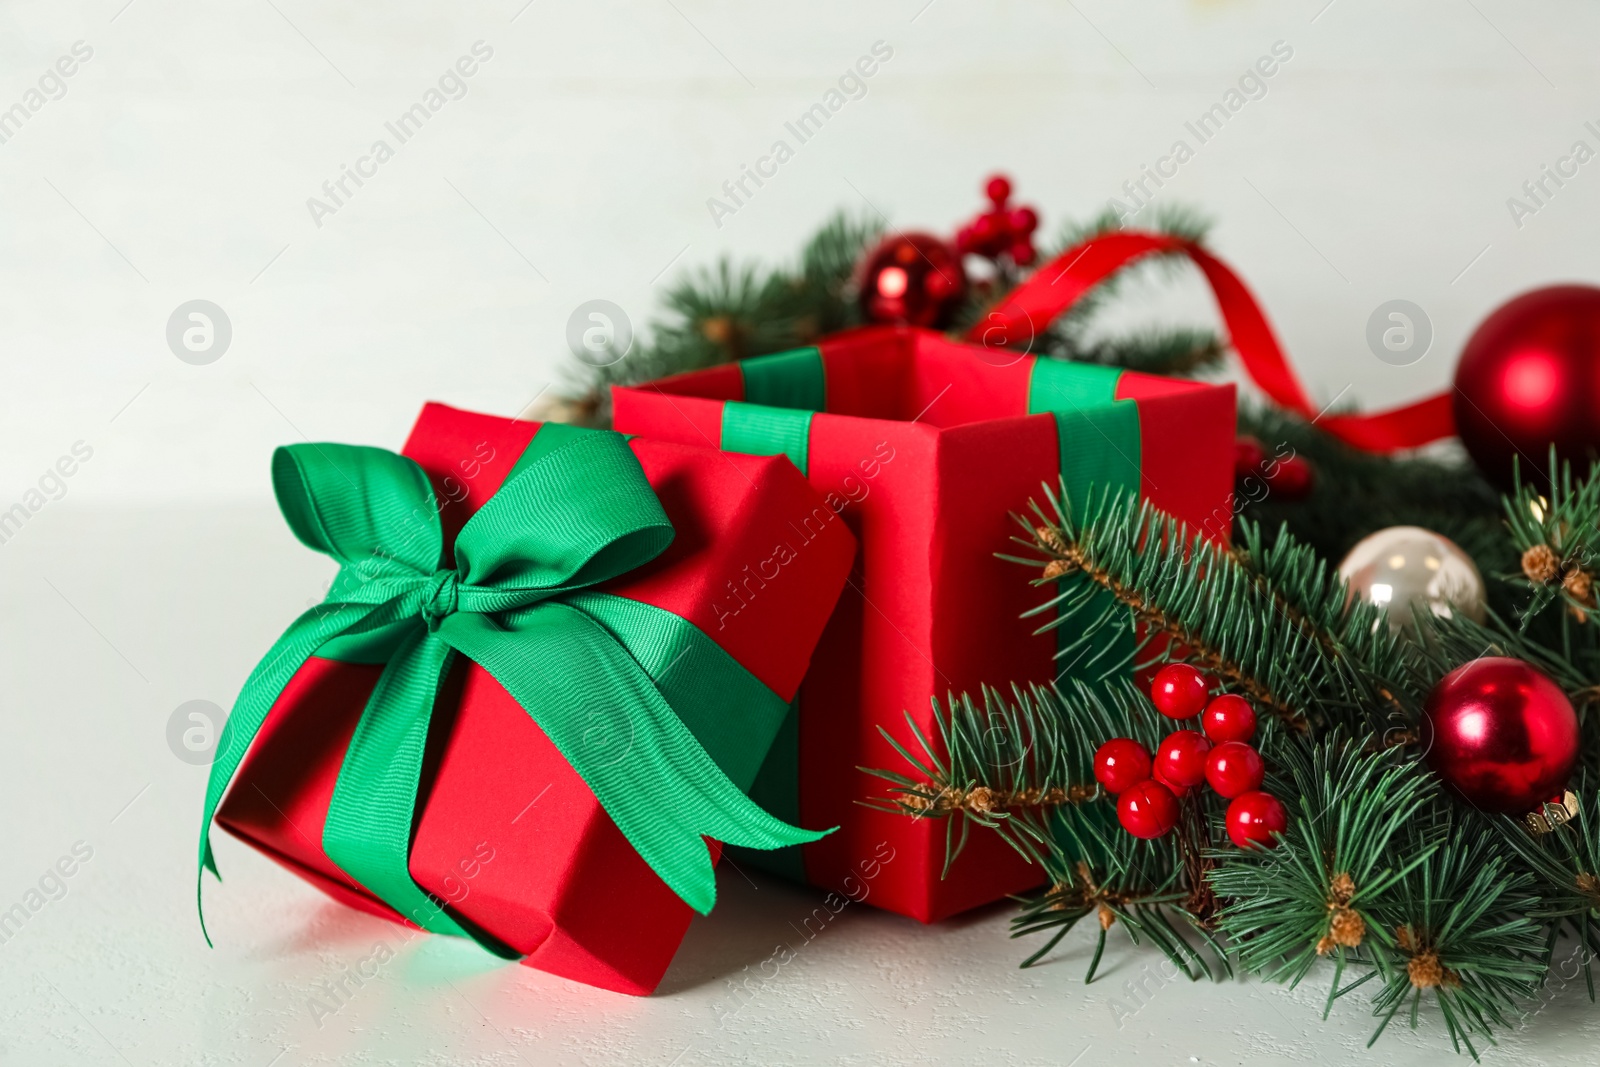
column 1181, row 759
column 1234, row 768
column 1229, row 718
column 1528, row 378
column 1503, row 734
column 1148, row 809
column 1179, row 691
column 912, row 278
column 1120, row 764
column 1254, row 817
column 1291, row 478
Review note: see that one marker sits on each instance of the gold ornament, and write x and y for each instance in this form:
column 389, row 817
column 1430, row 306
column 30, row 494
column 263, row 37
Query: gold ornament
column 1405, row 566
column 1553, row 813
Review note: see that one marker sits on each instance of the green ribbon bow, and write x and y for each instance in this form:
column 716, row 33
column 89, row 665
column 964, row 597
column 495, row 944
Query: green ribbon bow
column 584, row 665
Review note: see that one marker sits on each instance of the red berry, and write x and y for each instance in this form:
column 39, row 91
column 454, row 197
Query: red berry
column 1293, row 479
column 1179, row 691
column 1253, row 818
column 1229, row 718
column 1234, row 768
column 1120, row 764
column 1024, row 220
column 1148, row 809
column 1248, row 455
column 1179, row 791
column 1181, row 759
column 999, row 189
column 1021, row 253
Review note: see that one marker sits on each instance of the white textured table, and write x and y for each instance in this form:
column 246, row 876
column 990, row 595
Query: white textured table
column 119, row 616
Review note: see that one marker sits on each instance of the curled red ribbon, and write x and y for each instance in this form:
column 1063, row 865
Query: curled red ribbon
column 1057, row 285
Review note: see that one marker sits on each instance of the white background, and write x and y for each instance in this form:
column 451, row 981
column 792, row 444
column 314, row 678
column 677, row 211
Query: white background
column 178, row 165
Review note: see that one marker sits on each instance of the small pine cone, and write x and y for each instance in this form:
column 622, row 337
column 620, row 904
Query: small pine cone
column 1342, row 888
column 916, row 801
column 1402, row 937
column 1107, row 917
column 1055, row 568
column 982, row 799
column 1541, row 564
column 1049, row 538
column 1347, row 928
column 1588, row 883
column 1579, row 585
column 1426, row 972
column 1324, row 945
column 718, row 329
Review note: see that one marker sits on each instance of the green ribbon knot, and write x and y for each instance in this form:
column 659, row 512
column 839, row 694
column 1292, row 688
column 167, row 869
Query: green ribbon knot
column 591, row 669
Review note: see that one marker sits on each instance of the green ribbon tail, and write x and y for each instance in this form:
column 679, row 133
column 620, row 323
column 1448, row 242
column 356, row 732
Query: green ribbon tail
column 607, row 718
column 373, row 810
column 299, row 643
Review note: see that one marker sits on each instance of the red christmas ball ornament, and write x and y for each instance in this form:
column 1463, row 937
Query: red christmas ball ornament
column 1181, row 759
column 1290, row 479
column 1502, row 733
column 1529, row 377
column 1120, row 764
column 1233, row 769
column 1148, row 809
column 1229, row 717
column 1254, row 817
column 912, row 278
column 1179, row 691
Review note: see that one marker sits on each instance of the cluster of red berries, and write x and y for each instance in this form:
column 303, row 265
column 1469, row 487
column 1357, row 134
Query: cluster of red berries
column 1147, row 790
column 1001, row 230
column 1287, row 477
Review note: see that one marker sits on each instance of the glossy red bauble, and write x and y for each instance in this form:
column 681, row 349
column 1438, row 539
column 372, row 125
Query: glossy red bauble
column 1503, row 734
column 1229, row 717
column 1148, row 809
column 1254, row 817
column 1529, row 377
column 912, row 278
column 1181, row 759
column 1120, row 764
column 1233, row 768
column 1179, row 691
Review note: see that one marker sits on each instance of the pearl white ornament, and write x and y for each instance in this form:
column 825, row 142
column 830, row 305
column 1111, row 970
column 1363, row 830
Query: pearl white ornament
column 1402, row 566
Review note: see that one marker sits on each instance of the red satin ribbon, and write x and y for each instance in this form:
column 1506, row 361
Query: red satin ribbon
column 1057, row 285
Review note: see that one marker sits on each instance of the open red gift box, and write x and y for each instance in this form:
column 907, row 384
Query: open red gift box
column 508, row 835
column 926, row 447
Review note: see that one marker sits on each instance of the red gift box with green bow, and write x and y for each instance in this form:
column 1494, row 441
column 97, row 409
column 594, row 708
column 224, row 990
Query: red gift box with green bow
column 526, row 712
column 926, row 446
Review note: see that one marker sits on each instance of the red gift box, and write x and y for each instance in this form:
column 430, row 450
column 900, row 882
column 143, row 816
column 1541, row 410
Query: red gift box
column 508, row 834
column 925, row 446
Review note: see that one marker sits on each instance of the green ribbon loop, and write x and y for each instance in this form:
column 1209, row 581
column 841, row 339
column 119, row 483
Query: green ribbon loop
column 586, row 667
